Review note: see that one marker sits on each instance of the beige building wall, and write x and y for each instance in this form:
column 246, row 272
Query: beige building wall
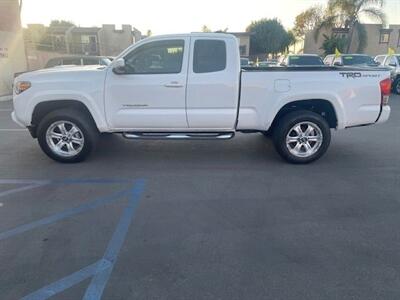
column 12, row 49
column 374, row 43
column 12, row 59
column 314, row 47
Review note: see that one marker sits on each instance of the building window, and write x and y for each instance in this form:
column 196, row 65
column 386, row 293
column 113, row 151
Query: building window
column 384, row 38
column 89, row 44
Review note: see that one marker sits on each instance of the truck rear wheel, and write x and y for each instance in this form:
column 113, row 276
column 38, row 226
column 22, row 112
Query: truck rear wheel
column 67, row 135
column 302, row 137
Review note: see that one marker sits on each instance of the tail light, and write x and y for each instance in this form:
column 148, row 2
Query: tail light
column 386, row 88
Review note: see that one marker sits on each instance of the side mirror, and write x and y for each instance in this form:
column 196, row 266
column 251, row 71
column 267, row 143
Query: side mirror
column 118, row 66
column 337, row 64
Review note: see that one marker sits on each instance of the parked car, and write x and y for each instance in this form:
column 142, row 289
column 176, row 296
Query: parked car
column 302, row 60
column 350, row 60
column 245, row 62
column 78, row 61
column 392, row 62
column 192, row 92
column 266, row 63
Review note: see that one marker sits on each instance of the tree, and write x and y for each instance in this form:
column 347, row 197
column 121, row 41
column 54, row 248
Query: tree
column 61, row 23
column 290, row 40
column 332, row 43
column 308, row 20
column 348, row 14
column 205, row 28
column 149, row 33
column 268, row 36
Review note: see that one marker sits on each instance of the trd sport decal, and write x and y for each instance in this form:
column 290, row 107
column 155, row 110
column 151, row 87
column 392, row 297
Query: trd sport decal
column 355, row 75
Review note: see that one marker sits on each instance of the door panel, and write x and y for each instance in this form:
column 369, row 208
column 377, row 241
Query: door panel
column 213, row 84
column 152, row 93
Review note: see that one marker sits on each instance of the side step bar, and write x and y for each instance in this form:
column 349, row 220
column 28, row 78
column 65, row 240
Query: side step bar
column 178, row 135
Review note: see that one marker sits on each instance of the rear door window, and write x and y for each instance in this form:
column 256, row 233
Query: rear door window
column 209, row 56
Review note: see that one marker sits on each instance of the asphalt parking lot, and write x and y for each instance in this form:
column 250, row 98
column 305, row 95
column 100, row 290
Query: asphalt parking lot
column 201, row 219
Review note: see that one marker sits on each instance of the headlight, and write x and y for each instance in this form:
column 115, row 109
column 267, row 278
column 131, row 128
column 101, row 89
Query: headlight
column 22, row 86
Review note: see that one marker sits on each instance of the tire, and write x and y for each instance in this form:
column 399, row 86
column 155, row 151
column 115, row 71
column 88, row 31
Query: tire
column 396, row 86
column 298, row 145
column 62, row 129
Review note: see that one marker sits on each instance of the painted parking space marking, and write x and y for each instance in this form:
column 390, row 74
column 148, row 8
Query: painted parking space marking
column 101, row 270
column 13, row 130
column 67, row 282
column 21, row 189
column 99, row 281
column 66, row 181
column 62, row 215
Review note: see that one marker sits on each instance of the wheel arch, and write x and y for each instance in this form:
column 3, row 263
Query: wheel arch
column 41, row 109
column 323, row 107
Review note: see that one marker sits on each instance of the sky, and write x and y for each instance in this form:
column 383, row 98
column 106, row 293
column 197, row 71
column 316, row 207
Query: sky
column 174, row 16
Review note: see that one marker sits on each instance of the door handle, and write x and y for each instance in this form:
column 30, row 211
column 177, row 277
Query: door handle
column 173, row 84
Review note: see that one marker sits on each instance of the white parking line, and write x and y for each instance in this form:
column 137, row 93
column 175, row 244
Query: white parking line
column 11, row 129
column 20, row 189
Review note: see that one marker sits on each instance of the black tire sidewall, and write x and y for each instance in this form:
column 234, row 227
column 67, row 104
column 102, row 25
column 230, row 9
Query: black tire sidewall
column 396, row 86
column 291, row 119
column 83, row 122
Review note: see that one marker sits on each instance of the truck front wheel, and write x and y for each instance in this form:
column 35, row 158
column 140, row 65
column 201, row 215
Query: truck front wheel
column 302, row 137
column 67, row 135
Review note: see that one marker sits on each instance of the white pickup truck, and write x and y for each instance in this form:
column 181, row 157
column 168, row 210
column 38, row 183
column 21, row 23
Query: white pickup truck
column 192, row 86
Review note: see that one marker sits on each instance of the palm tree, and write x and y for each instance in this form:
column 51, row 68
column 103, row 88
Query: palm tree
column 347, row 14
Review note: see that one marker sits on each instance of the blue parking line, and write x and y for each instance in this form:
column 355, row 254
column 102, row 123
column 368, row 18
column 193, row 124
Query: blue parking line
column 99, row 281
column 62, row 215
column 102, row 269
column 68, row 281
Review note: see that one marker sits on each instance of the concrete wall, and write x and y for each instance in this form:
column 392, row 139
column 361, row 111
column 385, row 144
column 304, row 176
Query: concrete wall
column 112, row 41
column 12, row 59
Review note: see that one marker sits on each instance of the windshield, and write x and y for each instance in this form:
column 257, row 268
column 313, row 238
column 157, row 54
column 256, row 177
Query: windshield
column 305, row 61
column 349, row 60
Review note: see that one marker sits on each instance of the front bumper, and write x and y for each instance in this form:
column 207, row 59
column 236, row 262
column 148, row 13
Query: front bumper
column 15, row 119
